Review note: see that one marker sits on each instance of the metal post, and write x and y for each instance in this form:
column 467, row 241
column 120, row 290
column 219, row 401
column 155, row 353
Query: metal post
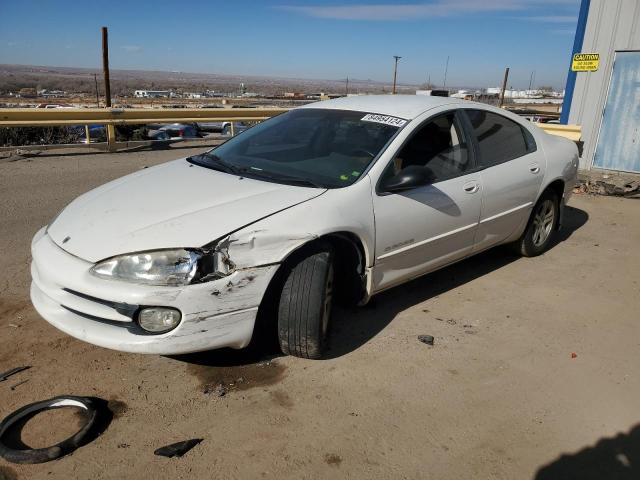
column 446, row 70
column 111, row 133
column 347, row 87
column 95, row 80
column 111, row 138
column 233, row 130
column 504, row 86
column 105, row 66
column 577, row 47
column 87, row 134
column 533, row 82
column 395, row 73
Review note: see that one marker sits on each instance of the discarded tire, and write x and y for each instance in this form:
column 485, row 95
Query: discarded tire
column 16, row 454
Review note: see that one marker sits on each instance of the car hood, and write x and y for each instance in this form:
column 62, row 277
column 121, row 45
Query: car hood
column 173, row 205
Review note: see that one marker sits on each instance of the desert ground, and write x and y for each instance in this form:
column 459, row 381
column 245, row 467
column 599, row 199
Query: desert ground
column 533, row 373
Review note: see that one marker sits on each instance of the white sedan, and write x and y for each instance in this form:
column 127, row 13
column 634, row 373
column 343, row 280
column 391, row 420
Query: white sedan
column 344, row 198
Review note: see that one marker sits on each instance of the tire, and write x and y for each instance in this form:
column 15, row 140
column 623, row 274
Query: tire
column 304, row 309
column 542, row 226
column 17, row 452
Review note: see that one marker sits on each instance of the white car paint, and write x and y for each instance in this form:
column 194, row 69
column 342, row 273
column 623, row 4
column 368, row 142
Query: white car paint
column 165, row 206
column 257, row 224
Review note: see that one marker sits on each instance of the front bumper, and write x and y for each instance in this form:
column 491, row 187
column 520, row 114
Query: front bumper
column 215, row 314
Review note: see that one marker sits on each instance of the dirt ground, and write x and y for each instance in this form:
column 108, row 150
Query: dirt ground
column 499, row 396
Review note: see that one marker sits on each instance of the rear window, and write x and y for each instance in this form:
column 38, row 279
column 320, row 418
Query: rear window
column 499, row 138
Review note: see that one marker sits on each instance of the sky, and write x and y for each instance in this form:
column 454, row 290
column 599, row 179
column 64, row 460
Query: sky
column 303, row 38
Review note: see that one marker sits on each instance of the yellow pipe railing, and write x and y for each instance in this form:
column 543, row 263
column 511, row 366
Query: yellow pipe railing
column 33, row 117
column 572, row 132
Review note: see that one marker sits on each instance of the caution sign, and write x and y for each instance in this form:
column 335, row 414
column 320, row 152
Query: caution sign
column 585, row 62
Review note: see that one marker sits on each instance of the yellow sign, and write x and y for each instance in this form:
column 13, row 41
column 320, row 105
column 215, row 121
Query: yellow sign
column 585, row 62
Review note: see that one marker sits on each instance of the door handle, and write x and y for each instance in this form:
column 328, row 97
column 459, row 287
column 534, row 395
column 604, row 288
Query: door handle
column 471, row 187
column 534, row 168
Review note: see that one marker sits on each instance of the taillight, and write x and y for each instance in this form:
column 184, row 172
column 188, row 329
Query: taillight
column 181, row 133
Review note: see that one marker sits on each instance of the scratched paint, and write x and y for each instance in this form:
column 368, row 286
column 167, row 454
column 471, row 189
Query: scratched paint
column 261, row 247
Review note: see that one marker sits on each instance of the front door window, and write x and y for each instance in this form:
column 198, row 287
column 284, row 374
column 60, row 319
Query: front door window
column 438, row 146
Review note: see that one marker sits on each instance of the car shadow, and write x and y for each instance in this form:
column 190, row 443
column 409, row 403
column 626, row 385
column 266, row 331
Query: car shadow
column 353, row 327
column 229, row 357
column 431, row 196
column 610, row 458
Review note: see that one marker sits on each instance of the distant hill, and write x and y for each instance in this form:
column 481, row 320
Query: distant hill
column 123, row 82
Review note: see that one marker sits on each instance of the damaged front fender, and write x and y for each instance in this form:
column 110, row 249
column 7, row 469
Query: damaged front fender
column 257, row 248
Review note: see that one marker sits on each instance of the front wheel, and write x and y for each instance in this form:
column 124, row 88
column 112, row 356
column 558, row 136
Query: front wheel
column 542, row 225
column 304, row 310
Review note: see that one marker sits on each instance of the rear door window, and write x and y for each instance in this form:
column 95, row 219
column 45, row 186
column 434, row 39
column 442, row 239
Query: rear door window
column 499, row 138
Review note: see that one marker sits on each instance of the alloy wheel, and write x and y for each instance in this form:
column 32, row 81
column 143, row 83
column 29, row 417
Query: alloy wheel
column 543, row 222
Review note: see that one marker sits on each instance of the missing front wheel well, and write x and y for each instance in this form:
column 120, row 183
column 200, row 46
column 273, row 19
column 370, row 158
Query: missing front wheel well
column 349, row 268
column 349, row 265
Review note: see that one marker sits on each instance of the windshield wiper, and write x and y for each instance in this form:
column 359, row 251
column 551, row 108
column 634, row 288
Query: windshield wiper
column 227, row 167
column 217, row 163
column 302, row 181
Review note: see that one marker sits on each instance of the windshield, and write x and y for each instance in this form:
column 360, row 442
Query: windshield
column 313, row 147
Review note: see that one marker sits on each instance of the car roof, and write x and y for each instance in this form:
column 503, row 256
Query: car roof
column 403, row 106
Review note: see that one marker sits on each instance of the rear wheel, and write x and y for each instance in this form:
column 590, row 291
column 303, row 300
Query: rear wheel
column 542, row 225
column 304, row 309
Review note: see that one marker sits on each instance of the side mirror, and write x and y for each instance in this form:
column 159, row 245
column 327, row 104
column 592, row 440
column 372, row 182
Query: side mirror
column 409, row 177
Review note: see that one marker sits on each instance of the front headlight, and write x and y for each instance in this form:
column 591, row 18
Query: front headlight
column 164, row 267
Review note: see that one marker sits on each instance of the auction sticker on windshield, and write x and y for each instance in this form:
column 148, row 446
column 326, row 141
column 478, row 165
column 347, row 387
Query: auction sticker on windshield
column 386, row 119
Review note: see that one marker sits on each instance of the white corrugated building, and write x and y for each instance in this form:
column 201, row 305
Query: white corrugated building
column 606, row 102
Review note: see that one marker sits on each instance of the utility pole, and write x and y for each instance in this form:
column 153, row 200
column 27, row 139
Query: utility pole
column 446, row 69
column 105, row 66
column 95, row 80
column 530, row 80
column 504, row 86
column 395, row 73
column 111, row 131
column 533, row 82
column 347, row 87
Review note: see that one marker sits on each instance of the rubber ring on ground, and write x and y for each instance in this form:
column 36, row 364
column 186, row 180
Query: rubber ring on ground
column 41, row 455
